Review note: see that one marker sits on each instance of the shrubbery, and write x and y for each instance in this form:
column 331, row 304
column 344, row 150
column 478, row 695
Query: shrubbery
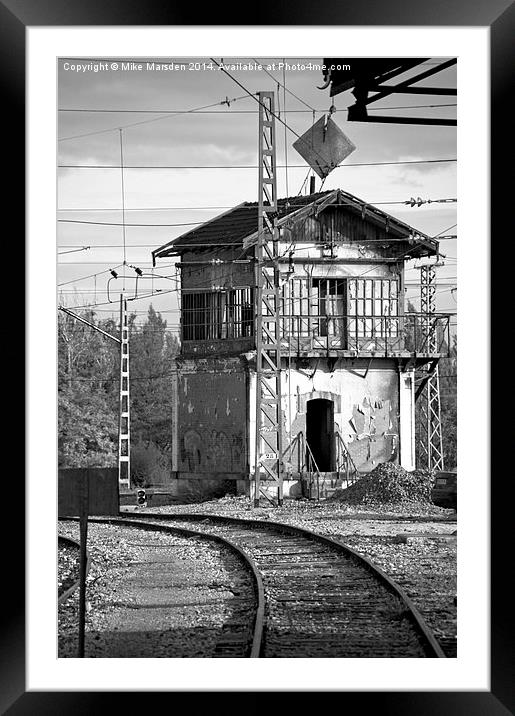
column 150, row 465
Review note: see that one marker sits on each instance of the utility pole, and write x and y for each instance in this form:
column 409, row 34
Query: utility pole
column 430, row 426
column 124, row 447
column 268, row 450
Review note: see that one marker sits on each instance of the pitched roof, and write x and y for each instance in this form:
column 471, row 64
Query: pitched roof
column 231, row 227
column 238, row 226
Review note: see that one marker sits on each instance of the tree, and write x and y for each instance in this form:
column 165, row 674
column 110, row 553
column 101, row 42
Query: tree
column 88, row 385
column 152, row 351
column 87, row 406
column 449, row 405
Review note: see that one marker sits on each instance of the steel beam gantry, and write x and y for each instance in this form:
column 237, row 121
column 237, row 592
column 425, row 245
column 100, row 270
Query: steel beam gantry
column 430, row 426
column 268, row 450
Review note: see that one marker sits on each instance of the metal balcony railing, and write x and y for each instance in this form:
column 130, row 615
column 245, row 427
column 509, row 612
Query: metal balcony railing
column 419, row 333
column 427, row 334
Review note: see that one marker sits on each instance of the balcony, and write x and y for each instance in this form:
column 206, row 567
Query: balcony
column 208, row 331
column 413, row 334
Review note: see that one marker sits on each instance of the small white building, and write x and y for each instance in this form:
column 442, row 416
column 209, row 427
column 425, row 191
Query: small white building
column 349, row 349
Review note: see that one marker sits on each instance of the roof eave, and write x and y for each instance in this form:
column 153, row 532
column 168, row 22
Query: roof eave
column 172, row 250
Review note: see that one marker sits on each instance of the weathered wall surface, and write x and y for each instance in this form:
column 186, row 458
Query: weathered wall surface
column 206, row 275
column 366, row 406
column 211, row 417
column 216, row 398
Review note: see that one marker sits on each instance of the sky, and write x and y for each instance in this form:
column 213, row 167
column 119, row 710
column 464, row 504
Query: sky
column 97, row 99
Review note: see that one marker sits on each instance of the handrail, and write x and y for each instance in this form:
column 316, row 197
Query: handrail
column 316, row 468
column 298, row 439
column 348, row 458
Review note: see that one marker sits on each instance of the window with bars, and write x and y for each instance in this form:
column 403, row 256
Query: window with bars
column 218, row 314
column 373, row 307
column 341, row 309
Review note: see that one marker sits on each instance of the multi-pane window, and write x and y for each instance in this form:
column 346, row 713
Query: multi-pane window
column 218, row 314
column 331, row 296
column 373, row 308
column 341, row 310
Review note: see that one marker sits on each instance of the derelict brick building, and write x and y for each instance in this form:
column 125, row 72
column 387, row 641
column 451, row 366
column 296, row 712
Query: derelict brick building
column 349, row 349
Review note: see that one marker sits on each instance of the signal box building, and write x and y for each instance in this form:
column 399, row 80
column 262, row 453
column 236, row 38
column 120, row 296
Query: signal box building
column 349, row 349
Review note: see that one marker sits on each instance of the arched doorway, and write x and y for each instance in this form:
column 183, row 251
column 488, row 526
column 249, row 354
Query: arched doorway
column 320, row 433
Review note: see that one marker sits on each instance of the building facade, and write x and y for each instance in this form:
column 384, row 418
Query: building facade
column 349, row 349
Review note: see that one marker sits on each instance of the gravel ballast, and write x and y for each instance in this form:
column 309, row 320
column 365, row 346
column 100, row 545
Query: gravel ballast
column 414, row 543
column 68, row 561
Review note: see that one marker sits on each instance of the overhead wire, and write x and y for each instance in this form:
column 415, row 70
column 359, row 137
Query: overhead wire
column 74, row 251
column 123, row 200
column 239, row 111
column 283, row 84
column 252, row 166
column 155, row 119
column 210, row 208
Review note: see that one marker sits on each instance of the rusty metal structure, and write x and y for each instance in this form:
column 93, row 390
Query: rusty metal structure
column 268, row 453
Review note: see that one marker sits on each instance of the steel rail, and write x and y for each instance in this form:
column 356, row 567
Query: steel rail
column 68, row 592
column 257, row 632
column 412, row 611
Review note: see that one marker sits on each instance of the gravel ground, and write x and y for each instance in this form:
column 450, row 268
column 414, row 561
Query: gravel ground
column 152, row 594
column 68, row 566
column 414, row 544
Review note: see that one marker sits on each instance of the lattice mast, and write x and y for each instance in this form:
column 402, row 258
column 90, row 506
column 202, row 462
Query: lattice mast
column 124, row 435
column 430, row 426
column 268, row 450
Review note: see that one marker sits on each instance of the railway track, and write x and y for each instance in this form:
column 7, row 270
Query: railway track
column 71, row 581
column 144, row 618
column 315, row 597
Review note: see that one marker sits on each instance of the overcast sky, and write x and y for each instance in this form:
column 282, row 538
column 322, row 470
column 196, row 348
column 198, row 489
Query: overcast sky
column 221, row 136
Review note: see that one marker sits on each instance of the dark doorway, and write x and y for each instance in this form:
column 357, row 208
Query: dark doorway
column 320, row 433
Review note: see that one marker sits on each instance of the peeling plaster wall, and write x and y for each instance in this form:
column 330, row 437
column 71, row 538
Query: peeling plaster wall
column 366, row 406
column 216, row 399
column 212, row 417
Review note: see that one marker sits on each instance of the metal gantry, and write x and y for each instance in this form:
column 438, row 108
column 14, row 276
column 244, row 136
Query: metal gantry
column 268, row 450
column 124, row 450
column 430, row 426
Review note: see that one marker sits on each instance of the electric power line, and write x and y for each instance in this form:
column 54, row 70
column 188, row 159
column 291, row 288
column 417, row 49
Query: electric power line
column 249, row 166
column 237, row 111
column 147, row 121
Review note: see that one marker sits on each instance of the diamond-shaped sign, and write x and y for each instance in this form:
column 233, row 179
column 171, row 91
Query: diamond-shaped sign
column 324, row 146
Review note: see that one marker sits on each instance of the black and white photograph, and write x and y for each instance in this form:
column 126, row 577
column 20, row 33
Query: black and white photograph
column 257, row 341
column 249, row 380
column 257, row 357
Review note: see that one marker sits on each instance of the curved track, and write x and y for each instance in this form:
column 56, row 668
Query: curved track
column 70, row 590
column 323, row 599
column 154, row 575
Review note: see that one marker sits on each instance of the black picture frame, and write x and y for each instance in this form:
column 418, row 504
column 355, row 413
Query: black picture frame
column 499, row 16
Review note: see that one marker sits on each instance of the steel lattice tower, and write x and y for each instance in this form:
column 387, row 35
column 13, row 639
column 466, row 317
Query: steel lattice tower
column 268, row 448
column 430, row 426
column 124, row 448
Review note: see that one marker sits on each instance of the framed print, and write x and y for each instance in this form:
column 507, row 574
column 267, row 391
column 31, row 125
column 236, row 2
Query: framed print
column 131, row 141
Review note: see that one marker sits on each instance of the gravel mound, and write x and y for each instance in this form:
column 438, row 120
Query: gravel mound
column 386, row 484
